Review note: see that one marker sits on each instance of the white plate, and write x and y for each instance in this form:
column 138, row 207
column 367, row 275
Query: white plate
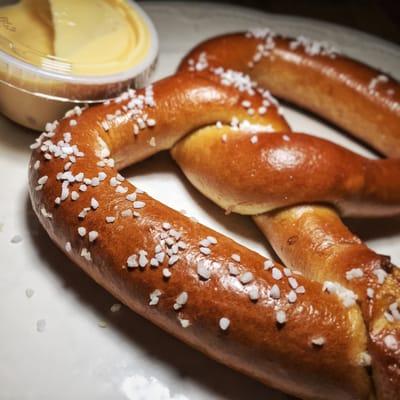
column 75, row 358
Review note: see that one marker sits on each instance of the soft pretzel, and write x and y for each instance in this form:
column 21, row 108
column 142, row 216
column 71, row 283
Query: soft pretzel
column 246, row 311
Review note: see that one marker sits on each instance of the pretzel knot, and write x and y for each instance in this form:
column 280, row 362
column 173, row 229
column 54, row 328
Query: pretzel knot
column 315, row 328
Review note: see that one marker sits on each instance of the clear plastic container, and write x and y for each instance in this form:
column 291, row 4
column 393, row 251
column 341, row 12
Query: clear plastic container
column 37, row 87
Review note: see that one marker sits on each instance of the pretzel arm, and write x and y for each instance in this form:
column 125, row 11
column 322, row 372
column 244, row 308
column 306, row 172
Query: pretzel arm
column 253, row 174
column 313, row 240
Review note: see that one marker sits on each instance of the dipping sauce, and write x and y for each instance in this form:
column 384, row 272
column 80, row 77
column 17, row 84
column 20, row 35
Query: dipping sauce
column 70, row 51
column 91, row 37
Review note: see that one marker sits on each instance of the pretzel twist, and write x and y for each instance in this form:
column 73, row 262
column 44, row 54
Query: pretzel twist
column 250, row 313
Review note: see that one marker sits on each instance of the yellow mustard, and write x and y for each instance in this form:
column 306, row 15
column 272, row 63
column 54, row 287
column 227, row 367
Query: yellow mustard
column 85, row 37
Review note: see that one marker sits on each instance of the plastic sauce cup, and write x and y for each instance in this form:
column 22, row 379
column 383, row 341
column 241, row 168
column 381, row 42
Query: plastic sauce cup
column 32, row 95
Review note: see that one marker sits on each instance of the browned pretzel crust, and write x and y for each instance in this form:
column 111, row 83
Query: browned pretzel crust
column 250, row 313
column 361, row 100
column 315, row 241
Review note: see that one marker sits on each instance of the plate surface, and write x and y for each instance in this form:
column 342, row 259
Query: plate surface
column 85, row 350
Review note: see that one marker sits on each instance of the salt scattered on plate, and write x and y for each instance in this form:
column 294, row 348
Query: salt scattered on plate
column 41, row 325
column 138, row 387
column 16, row 239
column 115, row 307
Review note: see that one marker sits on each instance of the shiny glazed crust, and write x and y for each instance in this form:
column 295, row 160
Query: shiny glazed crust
column 314, row 76
column 250, row 313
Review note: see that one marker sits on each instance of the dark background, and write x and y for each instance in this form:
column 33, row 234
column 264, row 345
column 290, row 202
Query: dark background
column 378, row 17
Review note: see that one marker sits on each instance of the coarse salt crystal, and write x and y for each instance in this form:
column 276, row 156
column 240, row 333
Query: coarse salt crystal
column 246, row 277
column 281, row 317
column 93, row 235
column 275, row 292
column 173, row 260
column 224, row 323
column 235, row 257
column 115, row 307
column 293, row 283
column 94, row 203
column 181, row 300
column 16, row 239
column 391, row 342
column 268, row 264
column 354, row 273
column 254, row 293
column 292, row 296
column 205, row 250
column 233, row 270
column 166, row 273
column 132, row 261
column 41, row 325
column 254, row 139
column 139, row 204
column 202, row 270
column 185, row 323
column 276, row 273
column 318, row 341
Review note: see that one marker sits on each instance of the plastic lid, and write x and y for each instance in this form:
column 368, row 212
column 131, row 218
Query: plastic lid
column 97, row 57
